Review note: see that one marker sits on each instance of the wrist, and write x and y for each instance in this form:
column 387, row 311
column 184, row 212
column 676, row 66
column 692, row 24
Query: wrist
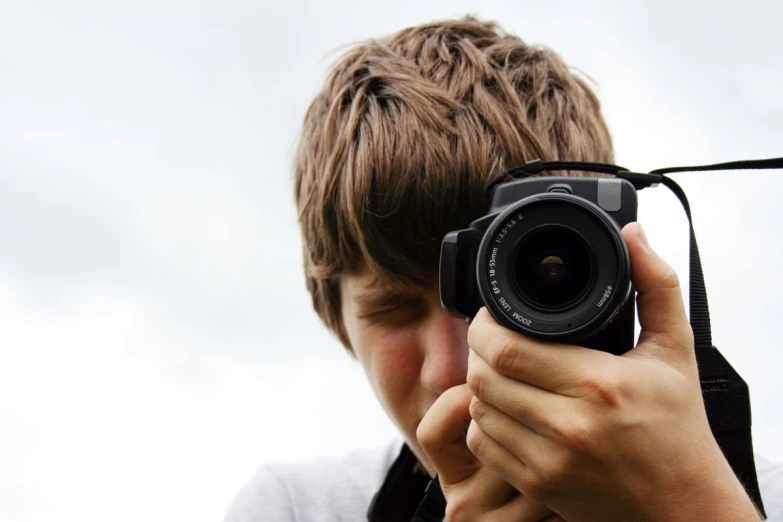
column 711, row 492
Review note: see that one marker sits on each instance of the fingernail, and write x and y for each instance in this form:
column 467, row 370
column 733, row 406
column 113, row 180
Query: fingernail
column 643, row 237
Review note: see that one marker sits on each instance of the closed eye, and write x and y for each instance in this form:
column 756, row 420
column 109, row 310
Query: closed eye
column 403, row 311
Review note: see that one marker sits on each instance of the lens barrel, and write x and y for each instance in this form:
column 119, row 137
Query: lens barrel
column 554, row 266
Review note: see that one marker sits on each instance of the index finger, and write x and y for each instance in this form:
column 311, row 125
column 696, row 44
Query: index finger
column 441, row 434
column 560, row 368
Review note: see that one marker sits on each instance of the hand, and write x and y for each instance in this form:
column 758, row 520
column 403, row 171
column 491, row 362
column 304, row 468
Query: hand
column 473, row 492
column 595, row 436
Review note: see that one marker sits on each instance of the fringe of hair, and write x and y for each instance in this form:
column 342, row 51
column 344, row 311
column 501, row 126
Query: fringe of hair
column 397, row 148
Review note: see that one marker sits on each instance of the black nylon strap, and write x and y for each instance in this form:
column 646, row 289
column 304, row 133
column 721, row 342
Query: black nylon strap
column 535, row 166
column 725, row 394
column 697, row 290
column 770, row 163
column 401, row 490
column 433, row 505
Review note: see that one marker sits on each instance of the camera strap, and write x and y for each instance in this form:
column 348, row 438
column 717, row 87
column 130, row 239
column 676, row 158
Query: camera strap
column 725, row 393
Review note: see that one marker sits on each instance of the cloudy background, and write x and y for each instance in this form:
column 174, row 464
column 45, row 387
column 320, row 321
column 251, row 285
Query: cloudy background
column 156, row 338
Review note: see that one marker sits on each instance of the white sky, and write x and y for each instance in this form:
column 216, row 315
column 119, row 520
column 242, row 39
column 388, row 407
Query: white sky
column 156, row 340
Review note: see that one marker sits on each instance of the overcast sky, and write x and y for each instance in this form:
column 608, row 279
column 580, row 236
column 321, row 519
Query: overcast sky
column 156, row 340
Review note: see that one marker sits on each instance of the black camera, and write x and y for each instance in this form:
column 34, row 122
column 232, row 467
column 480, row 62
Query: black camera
column 548, row 260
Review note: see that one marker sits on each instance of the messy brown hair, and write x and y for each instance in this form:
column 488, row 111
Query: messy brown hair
column 398, row 146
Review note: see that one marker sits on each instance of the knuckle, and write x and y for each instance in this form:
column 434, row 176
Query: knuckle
column 551, row 475
column 536, row 489
column 606, row 389
column 576, row 436
column 669, row 278
column 425, row 435
column 478, row 409
column 459, row 509
column 504, row 357
column 478, row 382
column 475, row 440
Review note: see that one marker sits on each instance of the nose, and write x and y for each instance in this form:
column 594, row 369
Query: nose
column 444, row 340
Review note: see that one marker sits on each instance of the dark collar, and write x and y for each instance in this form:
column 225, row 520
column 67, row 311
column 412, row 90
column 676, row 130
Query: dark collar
column 402, row 490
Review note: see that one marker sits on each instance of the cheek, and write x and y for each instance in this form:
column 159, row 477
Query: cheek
column 397, row 364
column 392, row 360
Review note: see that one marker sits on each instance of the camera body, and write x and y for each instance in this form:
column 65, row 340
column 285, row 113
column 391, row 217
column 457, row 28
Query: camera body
column 548, row 260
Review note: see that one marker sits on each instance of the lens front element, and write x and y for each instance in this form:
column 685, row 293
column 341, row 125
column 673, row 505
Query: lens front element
column 553, row 267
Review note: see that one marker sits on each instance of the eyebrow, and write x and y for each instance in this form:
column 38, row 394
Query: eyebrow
column 380, row 298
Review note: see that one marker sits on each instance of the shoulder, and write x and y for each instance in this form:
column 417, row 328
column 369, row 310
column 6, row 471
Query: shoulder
column 337, row 488
column 770, row 475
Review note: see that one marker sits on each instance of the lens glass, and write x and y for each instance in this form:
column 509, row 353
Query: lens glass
column 553, row 267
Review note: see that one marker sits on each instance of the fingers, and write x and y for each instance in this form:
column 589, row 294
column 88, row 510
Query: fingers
column 559, row 368
column 659, row 301
column 441, row 435
column 499, row 459
column 565, row 369
column 515, row 439
column 524, row 509
column 534, row 407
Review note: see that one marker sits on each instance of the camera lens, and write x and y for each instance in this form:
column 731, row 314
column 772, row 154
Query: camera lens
column 552, row 268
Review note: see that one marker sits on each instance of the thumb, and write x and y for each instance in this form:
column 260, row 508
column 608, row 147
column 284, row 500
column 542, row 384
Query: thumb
column 441, row 434
column 665, row 326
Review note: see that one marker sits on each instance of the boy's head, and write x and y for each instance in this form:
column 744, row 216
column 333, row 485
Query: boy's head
column 396, row 152
column 399, row 144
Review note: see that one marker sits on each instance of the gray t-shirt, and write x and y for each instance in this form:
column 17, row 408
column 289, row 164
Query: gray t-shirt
column 322, row 489
column 341, row 489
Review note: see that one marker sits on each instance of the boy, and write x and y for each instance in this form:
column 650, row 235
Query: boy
column 395, row 152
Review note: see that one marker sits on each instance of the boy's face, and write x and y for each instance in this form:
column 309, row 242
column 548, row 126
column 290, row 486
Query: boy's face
column 410, row 348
